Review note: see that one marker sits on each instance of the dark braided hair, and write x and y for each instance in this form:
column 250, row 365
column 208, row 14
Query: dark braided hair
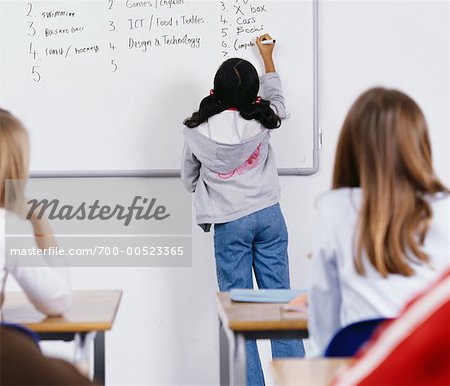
column 236, row 85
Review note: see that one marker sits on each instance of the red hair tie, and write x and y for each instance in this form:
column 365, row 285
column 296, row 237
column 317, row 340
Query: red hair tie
column 258, row 100
column 211, row 92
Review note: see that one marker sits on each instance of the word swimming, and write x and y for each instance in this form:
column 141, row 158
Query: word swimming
column 193, row 42
column 146, row 211
column 53, row 14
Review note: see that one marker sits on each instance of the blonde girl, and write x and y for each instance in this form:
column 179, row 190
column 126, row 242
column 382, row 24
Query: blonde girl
column 45, row 288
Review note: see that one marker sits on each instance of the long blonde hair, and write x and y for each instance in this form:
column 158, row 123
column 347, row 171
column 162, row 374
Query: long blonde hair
column 384, row 148
column 13, row 156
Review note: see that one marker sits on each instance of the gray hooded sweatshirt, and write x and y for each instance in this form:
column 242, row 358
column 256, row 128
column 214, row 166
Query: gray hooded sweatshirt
column 229, row 164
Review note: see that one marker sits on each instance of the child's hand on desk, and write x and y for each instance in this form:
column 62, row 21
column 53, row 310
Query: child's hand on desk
column 300, row 303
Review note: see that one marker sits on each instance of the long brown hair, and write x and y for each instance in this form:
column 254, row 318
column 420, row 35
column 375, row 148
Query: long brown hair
column 13, row 156
column 384, row 148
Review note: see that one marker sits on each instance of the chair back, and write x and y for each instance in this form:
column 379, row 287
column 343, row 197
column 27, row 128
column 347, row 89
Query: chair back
column 349, row 339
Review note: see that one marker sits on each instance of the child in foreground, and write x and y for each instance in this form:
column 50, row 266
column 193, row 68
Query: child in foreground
column 384, row 227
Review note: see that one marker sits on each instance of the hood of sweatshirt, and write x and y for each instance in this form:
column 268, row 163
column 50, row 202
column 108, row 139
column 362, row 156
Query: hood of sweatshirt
column 226, row 141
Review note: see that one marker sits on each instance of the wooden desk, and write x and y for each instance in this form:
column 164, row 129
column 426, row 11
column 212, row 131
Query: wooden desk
column 307, row 372
column 90, row 311
column 241, row 321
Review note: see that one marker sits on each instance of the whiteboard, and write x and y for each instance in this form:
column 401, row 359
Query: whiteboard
column 104, row 85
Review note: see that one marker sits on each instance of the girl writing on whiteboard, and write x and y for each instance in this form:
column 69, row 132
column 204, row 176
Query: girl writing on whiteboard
column 229, row 164
column 46, row 288
column 385, row 229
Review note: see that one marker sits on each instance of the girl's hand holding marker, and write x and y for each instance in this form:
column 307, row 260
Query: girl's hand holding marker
column 266, row 44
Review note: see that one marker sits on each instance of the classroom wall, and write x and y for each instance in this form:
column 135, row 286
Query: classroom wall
column 166, row 328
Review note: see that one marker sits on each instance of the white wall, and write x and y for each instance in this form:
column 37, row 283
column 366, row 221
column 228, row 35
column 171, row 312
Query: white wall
column 166, row 328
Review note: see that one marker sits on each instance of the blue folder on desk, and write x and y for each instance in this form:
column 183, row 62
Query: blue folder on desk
column 265, row 295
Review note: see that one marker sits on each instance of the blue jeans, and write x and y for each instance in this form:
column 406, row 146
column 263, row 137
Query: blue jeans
column 258, row 241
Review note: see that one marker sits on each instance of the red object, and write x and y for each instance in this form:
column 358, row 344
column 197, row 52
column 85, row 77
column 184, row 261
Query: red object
column 413, row 349
column 211, row 92
column 258, row 100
